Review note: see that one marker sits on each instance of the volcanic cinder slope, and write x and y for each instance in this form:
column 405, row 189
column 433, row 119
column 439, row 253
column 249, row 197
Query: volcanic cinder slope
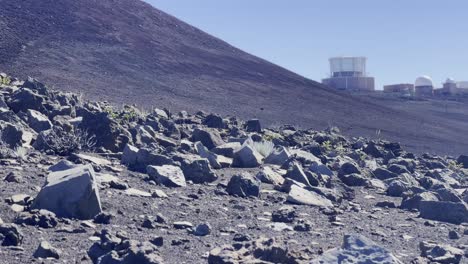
column 129, row 52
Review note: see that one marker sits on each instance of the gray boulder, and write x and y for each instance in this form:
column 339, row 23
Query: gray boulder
column 463, row 160
column 296, row 173
column 38, row 121
column 278, row 157
column 198, row 171
column 227, row 149
column 268, row 175
column 10, row 235
column 357, row 249
column 129, row 155
column 45, row 250
column 71, row 193
column 168, row 175
column 253, row 125
column 384, row 174
column 243, row 185
column 301, row 196
column 414, row 201
column 214, row 121
column 455, row 213
column 440, row 253
column 247, row 157
column 210, row 138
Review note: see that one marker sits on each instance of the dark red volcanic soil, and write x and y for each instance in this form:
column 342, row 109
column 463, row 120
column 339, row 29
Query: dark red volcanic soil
column 129, row 52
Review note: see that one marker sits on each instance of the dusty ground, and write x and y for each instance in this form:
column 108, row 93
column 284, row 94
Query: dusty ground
column 397, row 230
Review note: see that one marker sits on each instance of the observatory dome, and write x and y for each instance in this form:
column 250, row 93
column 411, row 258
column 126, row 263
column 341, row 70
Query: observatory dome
column 423, row 81
column 450, row 80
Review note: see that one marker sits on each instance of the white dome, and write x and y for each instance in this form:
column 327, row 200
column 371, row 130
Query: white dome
column 450, row 80
column 423, row 81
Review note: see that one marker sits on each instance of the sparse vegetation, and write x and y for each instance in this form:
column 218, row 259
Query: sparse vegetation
column 265, row 148
column 65, row 143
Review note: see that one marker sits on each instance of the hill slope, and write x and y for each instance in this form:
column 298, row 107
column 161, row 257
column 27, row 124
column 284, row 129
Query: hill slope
column 129, row 52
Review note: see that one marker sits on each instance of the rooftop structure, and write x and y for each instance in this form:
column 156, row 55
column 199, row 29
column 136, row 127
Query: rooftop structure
column 349, row 73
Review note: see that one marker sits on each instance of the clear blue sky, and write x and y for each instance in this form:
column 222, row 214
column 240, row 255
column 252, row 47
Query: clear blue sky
column 401, row 38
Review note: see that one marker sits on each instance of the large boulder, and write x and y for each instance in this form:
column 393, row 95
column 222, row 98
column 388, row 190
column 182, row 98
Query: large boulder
column 253, row 125
column 227, row 149
column 455, row 213
column 243, row 185
column 71, row 193
column 214, row 121
column 301, row 196
column 25, row 99
column 357, row 249
column 168, row 175
column 463, row 160
column 210, row 138
column 10, row 235
column 198, row 171
column 278, row 157
column 109, row 134
column 440, row 253
column 38, row 121
column 247, row 157
column 14, row 135
column 296, row 173
column 216, row 162
column 413, row 201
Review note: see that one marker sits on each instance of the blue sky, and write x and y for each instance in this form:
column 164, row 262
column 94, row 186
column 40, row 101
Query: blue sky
column 401, row 38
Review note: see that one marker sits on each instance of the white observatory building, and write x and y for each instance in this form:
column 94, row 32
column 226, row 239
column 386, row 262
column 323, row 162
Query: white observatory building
column 424, row 86
column 349, row 73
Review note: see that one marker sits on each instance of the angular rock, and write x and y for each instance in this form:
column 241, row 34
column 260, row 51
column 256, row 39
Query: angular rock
column 383, row 174
column 440, row 253
column 298, row 195
column 37, row 121
column 209, row 137
column 357, row 249
column 129, row 155
column 247, row 157
column 198, row 171
column 70, row 193
column 168, row 175
column 10, row 235
column 45, row 250
column 214, row 121
column 296, row 173
column 268, row 175
column 414, row 201
column 243, row 185
column 455, row 213
column 463, row 160
column 227, row 149
column 278, row 157
column 253, row 125
column 62, row 165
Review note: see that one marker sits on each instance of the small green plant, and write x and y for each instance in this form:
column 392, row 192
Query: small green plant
column 453, row 165
column 339, row 148
column 65, row 143
column 5, row 80
column 327, row 145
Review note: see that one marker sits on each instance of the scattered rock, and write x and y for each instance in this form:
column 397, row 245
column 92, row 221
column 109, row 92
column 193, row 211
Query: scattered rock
column 70, row 193
column 357, row 249
column 45, row 250
column 243, row 185
column 168, row 175
column 440, row 253
column 246, row 157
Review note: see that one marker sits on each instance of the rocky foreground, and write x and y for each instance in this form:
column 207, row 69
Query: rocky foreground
column 83, row 182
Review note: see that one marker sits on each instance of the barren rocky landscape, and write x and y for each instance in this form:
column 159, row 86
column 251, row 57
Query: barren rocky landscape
column 128, row 52
column 84, row 182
